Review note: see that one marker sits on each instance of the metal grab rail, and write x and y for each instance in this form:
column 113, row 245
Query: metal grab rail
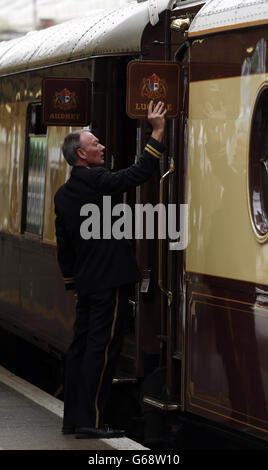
column 160, row 241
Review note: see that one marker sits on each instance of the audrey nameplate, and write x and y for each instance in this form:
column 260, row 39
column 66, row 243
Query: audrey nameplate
column 65, row 101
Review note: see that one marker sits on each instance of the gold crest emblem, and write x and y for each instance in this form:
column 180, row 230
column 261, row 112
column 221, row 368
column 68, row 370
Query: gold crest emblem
column 65, row 99
column 153, row 87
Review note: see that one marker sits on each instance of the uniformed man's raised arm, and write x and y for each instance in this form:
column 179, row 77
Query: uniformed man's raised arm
column 107, row 182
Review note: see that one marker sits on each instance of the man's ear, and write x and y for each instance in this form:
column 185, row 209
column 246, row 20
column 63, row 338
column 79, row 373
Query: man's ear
column 80, row 153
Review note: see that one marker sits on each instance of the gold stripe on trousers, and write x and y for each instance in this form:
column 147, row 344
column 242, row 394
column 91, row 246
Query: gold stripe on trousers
column 106, row 359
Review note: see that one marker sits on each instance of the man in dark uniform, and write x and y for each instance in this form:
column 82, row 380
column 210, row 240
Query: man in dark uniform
column 99, row 270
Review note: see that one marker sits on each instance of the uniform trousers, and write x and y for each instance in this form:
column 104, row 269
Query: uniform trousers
column 92, row 356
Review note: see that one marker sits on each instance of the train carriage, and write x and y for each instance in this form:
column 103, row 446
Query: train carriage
column 197, row 339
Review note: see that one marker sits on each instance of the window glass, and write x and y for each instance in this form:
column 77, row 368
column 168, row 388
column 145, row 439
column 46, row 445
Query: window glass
column 35, row 171
column 258, row 166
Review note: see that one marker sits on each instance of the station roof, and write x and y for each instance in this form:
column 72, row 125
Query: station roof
column 97, row 33
column 221, row 15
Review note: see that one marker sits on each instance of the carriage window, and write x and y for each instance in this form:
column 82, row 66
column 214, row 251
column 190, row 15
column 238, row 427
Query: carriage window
column 258, row 167
column 34, row 171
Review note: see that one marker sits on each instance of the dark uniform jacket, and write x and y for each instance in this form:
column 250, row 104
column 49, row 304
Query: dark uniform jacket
column 91, row 264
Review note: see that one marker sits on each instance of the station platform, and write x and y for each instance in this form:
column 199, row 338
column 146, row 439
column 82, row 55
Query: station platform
column 31, row 419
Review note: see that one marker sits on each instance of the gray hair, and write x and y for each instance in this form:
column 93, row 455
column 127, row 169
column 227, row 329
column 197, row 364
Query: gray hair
column 70, row 146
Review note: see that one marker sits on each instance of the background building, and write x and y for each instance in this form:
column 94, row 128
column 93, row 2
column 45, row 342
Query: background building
column 20, row 16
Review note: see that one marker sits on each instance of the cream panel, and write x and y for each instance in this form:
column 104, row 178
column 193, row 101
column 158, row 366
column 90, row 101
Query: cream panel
column 12, row 138
column 58, row 171
column 221, row 239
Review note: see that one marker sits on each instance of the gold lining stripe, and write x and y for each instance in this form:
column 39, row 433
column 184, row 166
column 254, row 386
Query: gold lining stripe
column 232, row 308
column 220, row 405
column 151, row 152
column 156, row 151
column 225, row 277
column 69, row 281
column 230, row 418
column 106, row 359
column 227, row 27
column 228, row 299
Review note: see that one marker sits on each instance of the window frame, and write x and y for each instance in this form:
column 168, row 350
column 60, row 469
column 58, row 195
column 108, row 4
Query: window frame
column 24, row 230
column 257, row 212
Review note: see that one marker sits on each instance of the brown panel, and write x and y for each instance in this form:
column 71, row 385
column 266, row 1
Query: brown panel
column 32, row 294
column 229, row 55
column 155, row 42
column 9, row 278
column 227, row 372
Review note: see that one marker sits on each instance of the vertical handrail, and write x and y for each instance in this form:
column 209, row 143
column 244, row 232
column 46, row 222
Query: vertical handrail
column 164, row 289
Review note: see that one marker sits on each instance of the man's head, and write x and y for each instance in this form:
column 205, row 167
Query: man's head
column 83, row 148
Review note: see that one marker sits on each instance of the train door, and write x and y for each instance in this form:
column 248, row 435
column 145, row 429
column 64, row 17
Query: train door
column 176, row 198
column 169, row 283
column 118, row 133
column 160, row 297
column 162, row 308
column 144, row 349
column 151, row 338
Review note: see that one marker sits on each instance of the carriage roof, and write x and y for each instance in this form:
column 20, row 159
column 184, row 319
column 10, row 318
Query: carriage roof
column 119, row 31
column 99, row 32
column 221, row 15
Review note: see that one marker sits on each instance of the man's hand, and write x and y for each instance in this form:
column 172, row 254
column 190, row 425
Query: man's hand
column 156, row 118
